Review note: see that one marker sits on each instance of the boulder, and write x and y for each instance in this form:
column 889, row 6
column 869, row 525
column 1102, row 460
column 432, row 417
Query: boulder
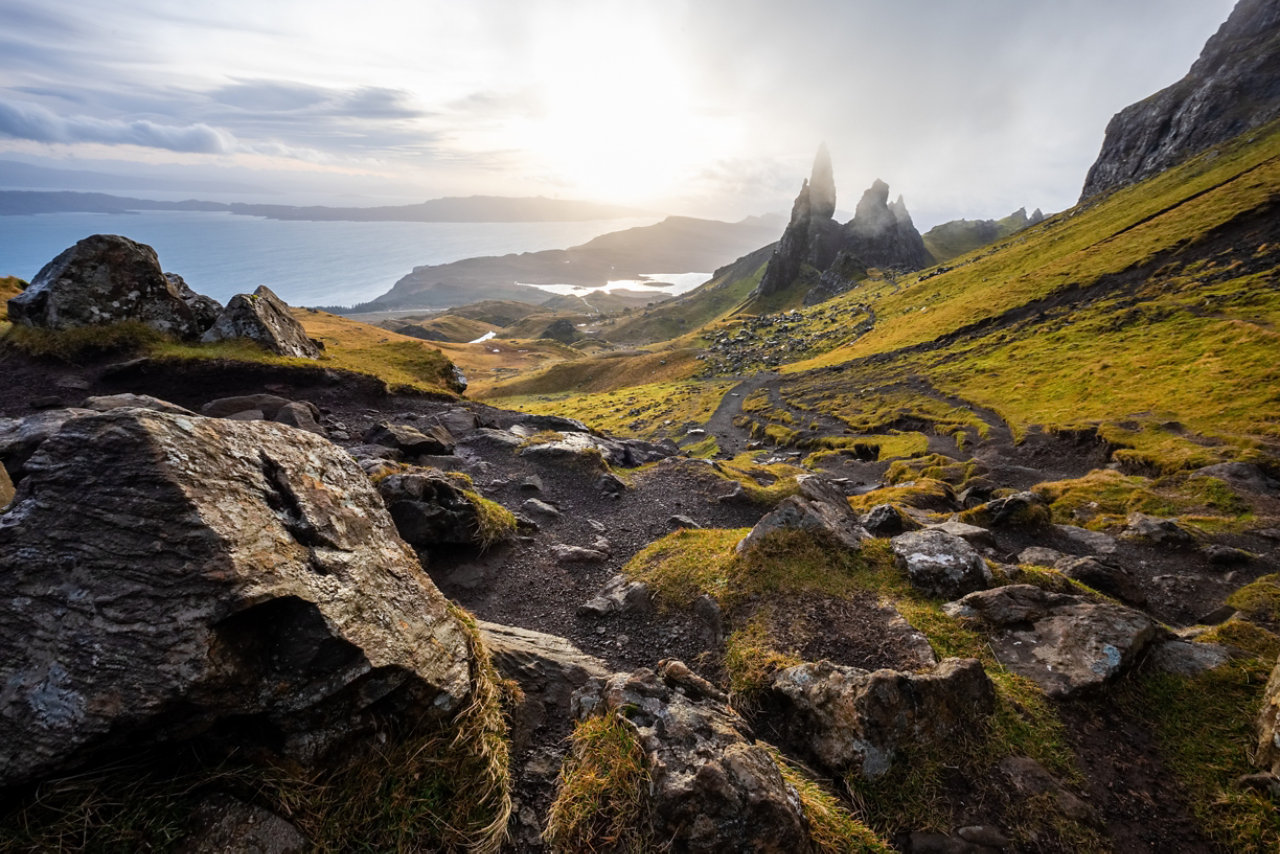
column 619, row 595
column 1187, row 658
column 300, row 414
column 886, row 520
column 1105, row 576
column 549, row 669
column 1066, row 644
column 819, row 508
column 564, row 553
column 1039, row 556
column 430, row 509
column 712, row 786
column 107, row 279
column 264, row 318
column 204, row 309
column 850, row 720
column 433, row 440
column 19, row 437
column 1165, row 532
column 105, row 403
column 1090, row 542
column 940, row 564
column 1020, row 510
column 1268, row 753
column 974, row 535
column 225, row 407
column 167, row 576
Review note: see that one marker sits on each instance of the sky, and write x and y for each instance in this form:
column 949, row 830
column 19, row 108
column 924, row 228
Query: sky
column 970, row 108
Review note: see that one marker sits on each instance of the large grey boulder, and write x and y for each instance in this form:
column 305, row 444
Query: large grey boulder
column 107, row 279
column 850, row 720
column 1066, row 644
column 19, row 437
column 713, row 787
column 264, row 318
column 433, row 440
column 940, row 564
column 819, row 508
column 165, row 575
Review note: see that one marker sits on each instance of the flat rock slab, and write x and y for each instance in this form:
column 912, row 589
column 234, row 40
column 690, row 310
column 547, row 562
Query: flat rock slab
column 1065, row 644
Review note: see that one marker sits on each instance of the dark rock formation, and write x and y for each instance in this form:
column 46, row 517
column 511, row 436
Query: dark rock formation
column 1234, row 86
column 107, row 279
column 430, row 508
column 169, row 576
column 820, row 508
column 264, row 318
column 849, row 720
column 829, row 258
column 713, row 788
column 939, row 563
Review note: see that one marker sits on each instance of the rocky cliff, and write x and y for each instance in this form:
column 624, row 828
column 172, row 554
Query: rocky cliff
column 881, row 234
column 1234, row 86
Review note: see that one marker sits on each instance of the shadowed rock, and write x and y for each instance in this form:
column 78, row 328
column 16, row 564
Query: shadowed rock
column 166, row 576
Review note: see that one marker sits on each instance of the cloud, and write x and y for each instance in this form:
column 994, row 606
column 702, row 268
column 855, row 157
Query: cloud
column 33, row 122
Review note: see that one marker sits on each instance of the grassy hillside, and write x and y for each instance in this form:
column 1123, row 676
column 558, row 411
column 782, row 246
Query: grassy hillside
column 10, row 287
column 961, row 236
column 444, row 327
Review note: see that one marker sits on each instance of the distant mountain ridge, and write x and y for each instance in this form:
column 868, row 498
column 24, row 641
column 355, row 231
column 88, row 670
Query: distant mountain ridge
column 1234, row 86
column 675, row 245
column 449, row 209
column 955, row 238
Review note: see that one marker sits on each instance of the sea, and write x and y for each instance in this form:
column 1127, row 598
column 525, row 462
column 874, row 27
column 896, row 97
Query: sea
column 305, row 263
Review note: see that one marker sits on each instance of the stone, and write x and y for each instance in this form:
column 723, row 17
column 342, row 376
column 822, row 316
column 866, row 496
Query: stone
column 457, row 421
column 300, row 414
column 225, row 407
column 1160, row 531
column 264, row 318
column 940, row 564
column 200, row 575
column 532, row 483
column 223, row 823
column 1020, row 510
column 1064, row 643
column 1105, row 576
column 1093, row 542
column 204, row 309
column 1039, row 556
column 433, row 440
column 1267, row 756
column 610, row 484
column 1243, row 476
column 1233, row 87
column 540, row 508
column 557, row 423
column 549, row 669
column 820, row 508
column 679, row 521
column 713, row 787
column 19, row 437
column 567, row 554
column 248, row 415
column 105, row 403
column 1220, row 555
column 6, row 488
column 974, row 535
column 1187, row 658
column 574, row 449
column 105, row 279
column 1030, row 779
column 886, row 520
column 430, row 509
column 985, row 834
column 620, row 594
column 852, row 721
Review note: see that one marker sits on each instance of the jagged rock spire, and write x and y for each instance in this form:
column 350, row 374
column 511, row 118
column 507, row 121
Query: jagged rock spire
column 822, row 185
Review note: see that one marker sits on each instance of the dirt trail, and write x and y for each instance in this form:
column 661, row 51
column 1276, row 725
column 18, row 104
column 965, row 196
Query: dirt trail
column 733, row 440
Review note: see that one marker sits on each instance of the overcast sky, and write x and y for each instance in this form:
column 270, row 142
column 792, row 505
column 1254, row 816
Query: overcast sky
column 708, row 107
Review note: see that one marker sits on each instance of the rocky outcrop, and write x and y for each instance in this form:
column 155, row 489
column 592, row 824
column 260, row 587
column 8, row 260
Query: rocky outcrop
column 264, row 318
column 849, row 720
column 106, row 279
column 828, row 258
column 1066, row 644
column 433, row 440
column 430, row 508
column 169, row 576
column 713, row 788
column 1233, row 87
column 819, row 508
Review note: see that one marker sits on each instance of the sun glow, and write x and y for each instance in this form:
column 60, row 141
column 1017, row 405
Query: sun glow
column 617, row 120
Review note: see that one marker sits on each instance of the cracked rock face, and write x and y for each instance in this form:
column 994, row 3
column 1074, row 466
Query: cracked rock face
column 850, row 720
column 713, row 788
column 1066, row 644
column 166, row 574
